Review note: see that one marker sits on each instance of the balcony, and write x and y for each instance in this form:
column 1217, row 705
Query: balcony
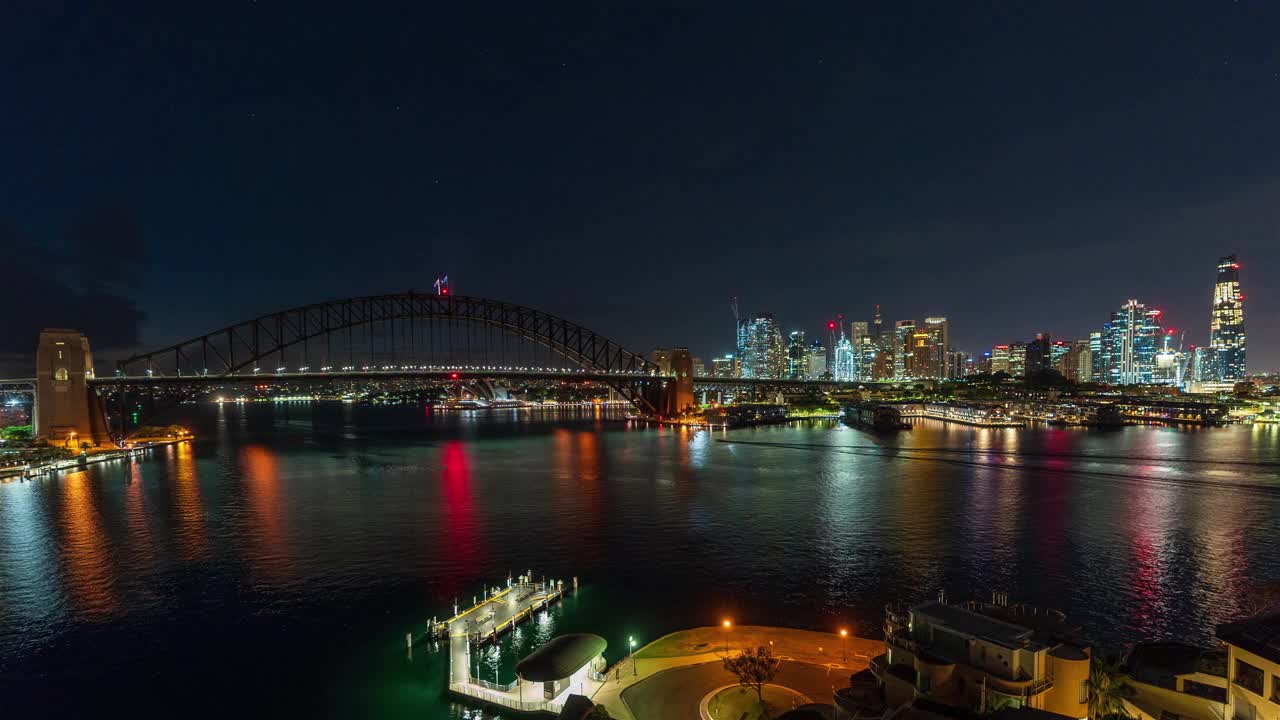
column 878, row 665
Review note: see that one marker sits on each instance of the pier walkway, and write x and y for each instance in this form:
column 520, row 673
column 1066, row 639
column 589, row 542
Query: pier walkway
column 483, row 623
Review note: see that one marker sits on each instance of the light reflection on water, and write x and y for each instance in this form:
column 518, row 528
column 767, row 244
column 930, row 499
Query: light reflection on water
column 299, row 543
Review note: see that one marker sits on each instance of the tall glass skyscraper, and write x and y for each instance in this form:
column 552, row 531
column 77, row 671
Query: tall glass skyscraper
column 1226, row 326
column 1131, row 340
column 760, row 348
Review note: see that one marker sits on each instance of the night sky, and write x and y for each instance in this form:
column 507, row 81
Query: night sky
column 1016, row 166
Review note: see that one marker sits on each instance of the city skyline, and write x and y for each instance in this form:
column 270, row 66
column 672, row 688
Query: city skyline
column 808, row 162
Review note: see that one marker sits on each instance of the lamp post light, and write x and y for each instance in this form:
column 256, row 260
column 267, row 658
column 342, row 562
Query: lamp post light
column 631, row 654
column 844, row 636
column 727, row 623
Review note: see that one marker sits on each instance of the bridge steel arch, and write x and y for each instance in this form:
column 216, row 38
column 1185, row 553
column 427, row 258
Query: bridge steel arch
column 232, row 349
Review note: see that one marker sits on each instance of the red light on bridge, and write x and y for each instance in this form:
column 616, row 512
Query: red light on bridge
column 453, row 376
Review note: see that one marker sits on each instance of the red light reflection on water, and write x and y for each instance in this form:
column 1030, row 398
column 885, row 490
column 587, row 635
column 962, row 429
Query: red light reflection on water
column 461, row 541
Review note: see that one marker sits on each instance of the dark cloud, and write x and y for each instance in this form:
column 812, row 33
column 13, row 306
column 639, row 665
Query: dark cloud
column 81, row 284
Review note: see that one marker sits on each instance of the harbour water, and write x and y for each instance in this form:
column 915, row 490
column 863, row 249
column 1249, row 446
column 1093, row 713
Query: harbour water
column 275, row 564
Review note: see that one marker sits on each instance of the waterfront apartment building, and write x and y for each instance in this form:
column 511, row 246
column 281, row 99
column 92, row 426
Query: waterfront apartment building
column 984, row 656
column 1226, row 326
column 761, row 351
column 1173, row 680
column 1253, row 667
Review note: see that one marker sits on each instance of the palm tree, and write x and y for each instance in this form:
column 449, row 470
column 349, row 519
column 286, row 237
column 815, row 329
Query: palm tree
column 1107, row 689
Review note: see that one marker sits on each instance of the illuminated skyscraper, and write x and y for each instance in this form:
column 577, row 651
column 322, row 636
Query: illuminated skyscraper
column 1131, row 341
column 817, row 361
column 724, row 367
column 760, row 348
column 903, row 330
column 858, row 329
column 797, row 356
column 1000, row 359
column 1018, row 359
column 843, row 359
column 1226, row 327
column 939, row 343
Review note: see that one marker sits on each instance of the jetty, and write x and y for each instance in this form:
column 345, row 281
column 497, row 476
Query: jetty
column 471, row 629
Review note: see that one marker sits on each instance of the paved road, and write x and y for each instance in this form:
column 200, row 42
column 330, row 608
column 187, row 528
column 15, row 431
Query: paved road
column 676, row 693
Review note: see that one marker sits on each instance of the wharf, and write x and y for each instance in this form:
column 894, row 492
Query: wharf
column 481, row 624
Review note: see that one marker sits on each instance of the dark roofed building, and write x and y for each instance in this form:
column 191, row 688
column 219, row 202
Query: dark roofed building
column 563, row 662
column 1173, row 680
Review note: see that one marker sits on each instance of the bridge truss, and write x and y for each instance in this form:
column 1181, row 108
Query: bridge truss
column 401, row 334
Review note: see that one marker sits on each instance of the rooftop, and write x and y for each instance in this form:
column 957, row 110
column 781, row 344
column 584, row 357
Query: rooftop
column 974, row 624
column 1158, row 663
column 560, row 657
column 1259, row 635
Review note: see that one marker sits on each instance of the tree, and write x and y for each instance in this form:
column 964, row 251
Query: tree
column 754, row 668
column 16, row 433
column 599, row 712
column 1107, row 689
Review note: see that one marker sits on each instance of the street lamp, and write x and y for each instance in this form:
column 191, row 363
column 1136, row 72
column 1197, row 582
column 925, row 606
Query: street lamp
column 844, row 636
column 727, row 623
column 631, row 642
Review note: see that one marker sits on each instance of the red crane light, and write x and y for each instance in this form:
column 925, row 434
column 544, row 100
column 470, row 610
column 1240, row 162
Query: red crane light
column 831, row 326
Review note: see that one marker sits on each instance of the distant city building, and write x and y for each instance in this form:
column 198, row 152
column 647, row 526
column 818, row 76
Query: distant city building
column 797, row 356
column 1057, row 351
column 902, row 357
column 843, row 369
column 886, row 351
column 865, row 356
column 1134, row 331
column 761, row 351
column 858, row 329
column 1202, row 366
column 1039, row 355
column 662, row 358
column 724, row 367
column 938, row 344
column 1018, row 359
column 1226, row 327
column 817, row 361
column 1097, row 365
column 699, row 370
column 1000, row 359
column 1082, row 360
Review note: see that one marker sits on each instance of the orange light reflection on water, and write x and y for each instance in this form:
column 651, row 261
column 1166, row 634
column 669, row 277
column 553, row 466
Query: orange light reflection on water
column 89, row 574
column 268, row 529
column 191, row 531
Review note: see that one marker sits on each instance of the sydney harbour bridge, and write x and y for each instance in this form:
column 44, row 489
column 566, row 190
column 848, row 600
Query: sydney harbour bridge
column 419, row 337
